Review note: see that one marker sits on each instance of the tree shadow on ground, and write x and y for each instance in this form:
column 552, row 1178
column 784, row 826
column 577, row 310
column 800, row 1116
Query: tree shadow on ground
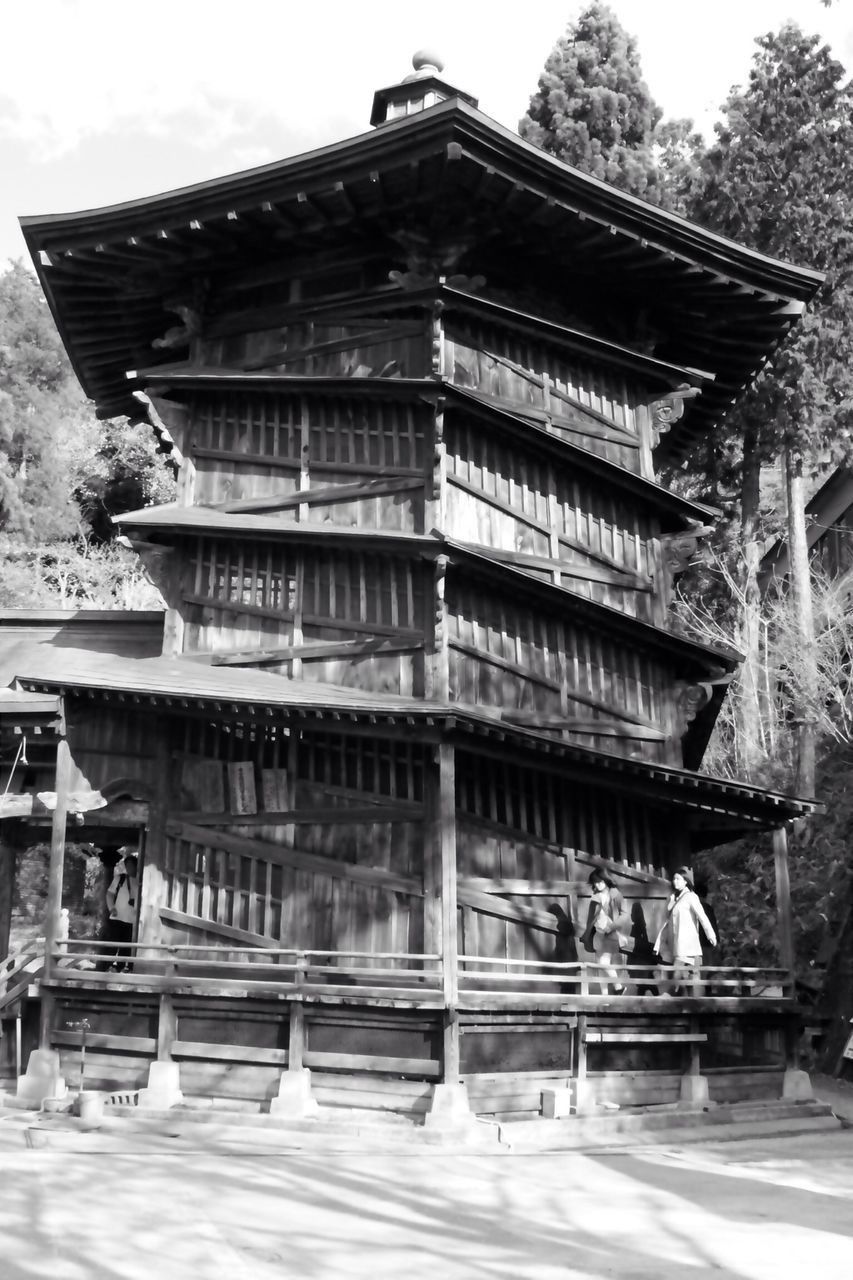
column 205, row 1216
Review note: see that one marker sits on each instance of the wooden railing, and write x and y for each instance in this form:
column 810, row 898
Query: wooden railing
column 555, row 981
column 392, row 975
column 18, row 971
column 383, row 975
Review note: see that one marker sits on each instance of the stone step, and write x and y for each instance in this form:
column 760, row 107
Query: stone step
column 718, row 1124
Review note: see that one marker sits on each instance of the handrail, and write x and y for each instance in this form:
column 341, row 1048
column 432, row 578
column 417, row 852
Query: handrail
column 404, row 975
column 30, row 962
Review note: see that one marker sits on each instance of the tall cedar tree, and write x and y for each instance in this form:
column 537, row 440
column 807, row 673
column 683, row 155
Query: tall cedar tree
column 780, row 180
column 593, row 109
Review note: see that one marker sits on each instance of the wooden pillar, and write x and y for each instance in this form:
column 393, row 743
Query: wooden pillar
column 167, row 1028
column 57, row 852
column 783, row 900
column 8, row 867
column 446, row 832
column 296, row 1038
column 153, row 886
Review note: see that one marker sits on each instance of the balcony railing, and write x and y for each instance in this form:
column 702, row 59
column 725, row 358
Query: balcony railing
column 407, row 977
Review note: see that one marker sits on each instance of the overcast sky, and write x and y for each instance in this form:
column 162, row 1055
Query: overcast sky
column 103, row 100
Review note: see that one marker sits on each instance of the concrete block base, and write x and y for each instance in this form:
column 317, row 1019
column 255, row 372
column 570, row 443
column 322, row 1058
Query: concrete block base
column 164, row 1087
column 557, row 1103
column 295, row 1100
column 797, row 1086
column 450, row 1111
column 41, row 1080
column 694, row 1091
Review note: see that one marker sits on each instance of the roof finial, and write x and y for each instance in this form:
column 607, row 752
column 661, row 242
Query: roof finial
column 421, row 89
column 426, row 63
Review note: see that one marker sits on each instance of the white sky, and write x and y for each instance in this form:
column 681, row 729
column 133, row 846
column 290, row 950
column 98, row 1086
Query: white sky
column 102, row 101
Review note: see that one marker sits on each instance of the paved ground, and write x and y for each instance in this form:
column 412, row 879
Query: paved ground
column 773, row 1210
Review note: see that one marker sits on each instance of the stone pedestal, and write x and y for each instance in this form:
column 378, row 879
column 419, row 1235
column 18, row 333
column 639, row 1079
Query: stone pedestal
column 694, row 1091
column 797, row 1086
column 557, row 1103
column 450, row 1112
column 164, row 1087
column 295, row 1100
column 41, row 1080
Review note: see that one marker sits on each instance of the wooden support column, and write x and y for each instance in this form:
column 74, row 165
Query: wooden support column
column 167, row 1028
column 446, row 831
column 152, row 868
column 8, row 868
column 53, row 911
column 296, row 1038
column 785, row 931
column 57, row 852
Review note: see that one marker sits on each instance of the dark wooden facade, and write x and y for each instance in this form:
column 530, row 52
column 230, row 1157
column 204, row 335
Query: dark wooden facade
column 418, row 676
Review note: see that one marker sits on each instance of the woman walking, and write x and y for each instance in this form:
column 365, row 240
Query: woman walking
column 607, row 916
column 679, row 941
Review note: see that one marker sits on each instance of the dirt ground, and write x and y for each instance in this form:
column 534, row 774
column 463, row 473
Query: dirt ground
column 749, row 1210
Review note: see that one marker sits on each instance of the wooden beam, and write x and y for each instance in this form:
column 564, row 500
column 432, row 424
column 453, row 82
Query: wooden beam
column 577, row 724
column 249, row 939
column 521, row 888
column 325, row 815
column 311, row 651
column 324, row 495
column 493, row 906
column 783, row 899
column 301, row 861
column 585, row 572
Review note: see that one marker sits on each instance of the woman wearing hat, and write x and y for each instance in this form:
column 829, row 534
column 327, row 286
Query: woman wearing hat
column 679, row 942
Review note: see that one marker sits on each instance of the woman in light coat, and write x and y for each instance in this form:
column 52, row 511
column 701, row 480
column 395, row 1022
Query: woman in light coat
column 679, row 940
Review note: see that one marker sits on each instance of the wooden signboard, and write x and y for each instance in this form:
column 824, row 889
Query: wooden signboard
column 848, row 1048
column 202, row 785
column 275, row 790
column 241, row 786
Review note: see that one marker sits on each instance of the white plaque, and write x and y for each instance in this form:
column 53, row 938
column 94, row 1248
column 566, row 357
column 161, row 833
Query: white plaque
column 241, row 785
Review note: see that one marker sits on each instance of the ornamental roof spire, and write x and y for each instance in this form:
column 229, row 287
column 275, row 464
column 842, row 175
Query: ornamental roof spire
column 423, row 88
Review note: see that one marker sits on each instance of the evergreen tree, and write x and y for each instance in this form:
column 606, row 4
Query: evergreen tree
column 62, row 473
column 593, row 109
column 780, row 180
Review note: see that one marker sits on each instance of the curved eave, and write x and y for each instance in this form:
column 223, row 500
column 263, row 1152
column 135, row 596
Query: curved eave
column 695, row 658
column 179, row 380
column 172, row 521
column 216, row 522
column 105, row 271
column 653, row 496
column 183, row 687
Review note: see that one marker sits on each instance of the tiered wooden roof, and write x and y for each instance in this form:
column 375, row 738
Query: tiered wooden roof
column 108, row 272
column 714, row 808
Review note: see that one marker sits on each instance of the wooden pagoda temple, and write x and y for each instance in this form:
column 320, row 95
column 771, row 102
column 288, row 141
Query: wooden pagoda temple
column 419, row 675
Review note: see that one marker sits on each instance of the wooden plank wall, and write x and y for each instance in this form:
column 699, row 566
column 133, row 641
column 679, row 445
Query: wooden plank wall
column 527, row 842
column 588, row 404
column 554, row 675
column 258, row 445
column 250, row 596
column 109, row 744
column 508, row 497
column 329, row 854
column 344, row 346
